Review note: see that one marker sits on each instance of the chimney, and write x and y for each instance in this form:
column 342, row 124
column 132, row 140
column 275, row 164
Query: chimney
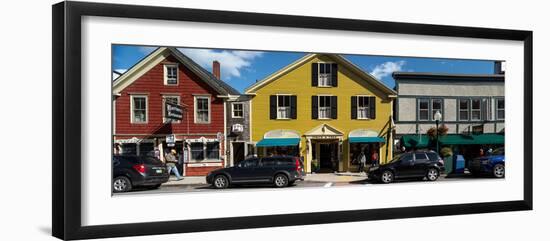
column 500, row 67
column 216, row 69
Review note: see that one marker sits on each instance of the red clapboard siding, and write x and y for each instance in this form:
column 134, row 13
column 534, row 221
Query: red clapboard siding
column 152, row 84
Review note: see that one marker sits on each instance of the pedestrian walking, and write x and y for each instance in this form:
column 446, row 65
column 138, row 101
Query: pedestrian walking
column 171, row 162
column 362, row 161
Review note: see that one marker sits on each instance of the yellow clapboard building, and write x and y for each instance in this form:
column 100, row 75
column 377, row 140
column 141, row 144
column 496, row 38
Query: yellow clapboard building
column 324, row 109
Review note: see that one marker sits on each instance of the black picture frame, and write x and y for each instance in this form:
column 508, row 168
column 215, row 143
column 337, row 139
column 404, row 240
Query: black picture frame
column 66, row 183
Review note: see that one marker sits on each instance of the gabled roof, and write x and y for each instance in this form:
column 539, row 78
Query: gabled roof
column 337, row 58
column 160, row 54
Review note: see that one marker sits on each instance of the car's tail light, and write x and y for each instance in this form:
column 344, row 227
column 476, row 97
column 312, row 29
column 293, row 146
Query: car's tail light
column 297, row 163
column 139, row 168
column 441, row 162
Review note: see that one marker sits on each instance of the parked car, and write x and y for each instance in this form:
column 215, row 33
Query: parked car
column 419, row 164
column 492, row 164
column 130, row 171
column 280, row 171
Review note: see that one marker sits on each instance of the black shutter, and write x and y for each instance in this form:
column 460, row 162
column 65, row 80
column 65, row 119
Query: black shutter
column 483, row 103
column 372, row 107
column 314, row 109
column 354, row 107
column 314, row 74
column 293, row 107
column 272, row 107
column 334, row 75
column 334, row 107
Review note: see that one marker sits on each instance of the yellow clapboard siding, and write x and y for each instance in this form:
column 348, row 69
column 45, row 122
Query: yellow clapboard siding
column 298, row 82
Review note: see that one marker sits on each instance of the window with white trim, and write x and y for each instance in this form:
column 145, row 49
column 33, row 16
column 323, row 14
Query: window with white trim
column 170, row 74
column 463, row 109
column 475, row 111
column 325, row 73
column 238, row 110
column 437, row 105
column 202, row 109
column 197, row 151
column 170, row 99
column 324, row 107
column 423, row 109
column 500, row 109
column 139, row 109
column 363, row 107
column 205, row 151
column 283, row 107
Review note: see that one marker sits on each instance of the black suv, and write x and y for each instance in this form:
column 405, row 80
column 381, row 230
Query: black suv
column 417, row 164
column 281, row 171
column 130, row 171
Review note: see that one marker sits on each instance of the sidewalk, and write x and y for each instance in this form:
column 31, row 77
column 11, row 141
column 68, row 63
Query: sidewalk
column 335, row 177
column 185, row 181
column 312, row 177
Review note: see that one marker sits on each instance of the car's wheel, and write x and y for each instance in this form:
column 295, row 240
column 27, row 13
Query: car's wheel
column 280, row 180
column 220, row 182
column 432, row 174
column 122, row 184
column 386, row 177
column 498, row 171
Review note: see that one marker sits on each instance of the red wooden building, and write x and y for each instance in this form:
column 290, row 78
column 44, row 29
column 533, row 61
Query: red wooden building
column 140, row 127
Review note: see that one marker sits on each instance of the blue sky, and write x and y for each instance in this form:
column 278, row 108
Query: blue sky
column 241, row 69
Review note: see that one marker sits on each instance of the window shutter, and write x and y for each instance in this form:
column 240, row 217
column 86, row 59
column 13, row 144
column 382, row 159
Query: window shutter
column 314, row 105
column 354, row 107
column 293, row 107
column 334, row 75
column 483, row 109
column 272, row 107
column 334, row 107
column 314, row 74
column 372, row 107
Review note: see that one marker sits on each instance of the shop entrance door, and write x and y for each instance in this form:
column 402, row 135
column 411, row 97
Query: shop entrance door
column 328, row 153
column 238, row 152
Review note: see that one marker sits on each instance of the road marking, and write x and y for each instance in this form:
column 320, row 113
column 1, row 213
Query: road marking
column 328, row 184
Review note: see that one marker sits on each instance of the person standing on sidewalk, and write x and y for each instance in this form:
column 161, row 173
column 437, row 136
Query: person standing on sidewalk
column 171, row 162
column 374, row 158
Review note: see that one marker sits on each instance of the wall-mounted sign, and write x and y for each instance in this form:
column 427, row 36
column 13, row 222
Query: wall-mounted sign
column 173, row 111
column 171, row 140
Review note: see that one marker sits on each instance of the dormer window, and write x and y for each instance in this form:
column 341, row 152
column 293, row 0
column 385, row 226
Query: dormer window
column 170, row 74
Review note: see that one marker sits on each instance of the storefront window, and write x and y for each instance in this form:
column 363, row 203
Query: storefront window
column 197, row 151
column 282, row 150
column 129, row 148
column 146, row 149
column 213, row 150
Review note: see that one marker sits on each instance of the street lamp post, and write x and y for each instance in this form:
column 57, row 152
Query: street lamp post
column 437, row 118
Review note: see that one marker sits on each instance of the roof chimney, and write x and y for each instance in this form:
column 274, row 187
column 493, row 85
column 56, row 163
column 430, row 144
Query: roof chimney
column 216, row 69
column 500, row 67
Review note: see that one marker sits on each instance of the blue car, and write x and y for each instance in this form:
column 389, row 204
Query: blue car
column 492, row 164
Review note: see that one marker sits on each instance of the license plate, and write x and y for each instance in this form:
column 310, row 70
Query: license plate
column 159, row 171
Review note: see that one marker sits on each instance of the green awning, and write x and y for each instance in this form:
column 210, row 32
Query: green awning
column 480, row 139
column 366, row 139
column 417, row 141
column 267, row 142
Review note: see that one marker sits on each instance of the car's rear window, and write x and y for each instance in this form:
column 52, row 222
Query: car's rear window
column 433, row 156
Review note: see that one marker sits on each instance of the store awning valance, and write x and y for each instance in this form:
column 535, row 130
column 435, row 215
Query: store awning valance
column 417, row 141
column 366, row 139
column 267, row 142
column 481, row 139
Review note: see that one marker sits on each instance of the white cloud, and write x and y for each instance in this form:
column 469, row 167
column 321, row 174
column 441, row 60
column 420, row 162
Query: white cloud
column 387, row 68
column 118, row 72
column 231, row 62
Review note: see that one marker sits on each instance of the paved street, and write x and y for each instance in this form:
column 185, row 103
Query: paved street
column 330, row 180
